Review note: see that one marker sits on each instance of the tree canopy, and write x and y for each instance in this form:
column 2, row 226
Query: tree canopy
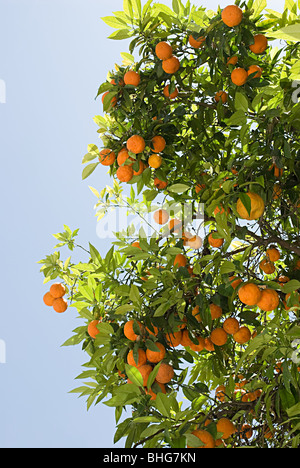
column 193, row 324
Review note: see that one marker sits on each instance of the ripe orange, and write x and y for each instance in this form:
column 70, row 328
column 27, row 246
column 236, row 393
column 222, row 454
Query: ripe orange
column 218, row 336
column 175, row 225
column 163, row 50
column 277, row 191
column 196, row 314
column 196, row 43
column 57, row 290
column 158, row 144
column 174, row 338
column 216, row 243
column 239, row 76
column 152, row 393
column 132, row 78
column 267, row 266
column 124, row 173
column 136, row 244
column 185, row 339
column 161, row 216
column 123, row 157
column 269, row 300
column 171, row 65
column 249, row 294
column 156, row 356
column 225, row 426
column 257, row 207
column 165, row 373
column 140, row 170
column 128, row 330
column 215, row 310
column 155, row 161
column 173, row 95
column 160, row 184
column 136, row 144
column 232, row 60
column 220, row 393
column 145, row 371
column 278, row 172
column 253, row 69
column 195, row 242
column 60, row 305
column 235, row 281
column 231, row 325
column 107, row 157
column 221, row 95
column 142, row 359
column 92, row 328
column 48, row 299
column 205, row 437
column 246, row 431
column 242, row 336
column 232, row 15
column 180, row 260
column 260, row 44
column 273, row 254
column 208, row 344
column 199, row 346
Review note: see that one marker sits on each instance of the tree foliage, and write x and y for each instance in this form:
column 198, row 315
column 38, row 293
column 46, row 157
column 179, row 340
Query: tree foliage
column 216, row 154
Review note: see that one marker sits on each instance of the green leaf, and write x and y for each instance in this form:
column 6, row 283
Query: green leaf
column 238, row 118
column 152, row 375
column 179, row 188
column 291, row 286
column 120, row 34
column 258, row 6
column 123, row 309
column 88, row 170
column 294, row 410
column 241, row 102
column 289, row 33
column 163, row 404
column 134, row 375
column 134, row 294
column 114, row 22
column 246, row 200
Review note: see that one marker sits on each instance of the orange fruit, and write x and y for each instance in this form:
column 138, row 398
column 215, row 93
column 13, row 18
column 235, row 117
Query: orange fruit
column 158, row 144
column 155, row 161
column 215, row 310
column 132, row 78
column 136, row 144
column 145, row 371
column 107, row 157
column 208, row 344
column 239, row 76
column 231, row 325
column 124, row 173
column 242, row 336
column 185, row 339
column 156, row 356
column 218, row 336
column 163, row 50
column 136, row 244
column 140, row 170
column 273, row 254
column 173, row 95
column 225, row 426
column 246, row 431
column 215, row 242
column 220, row 393
column 205, row 437
column 165, row 373
column 174, row 338
column 196, row 43
column 152, row 393
column 175, row 225
column 221, row 95
column 92, row 328
column 199, row 346
column 195, row 242
column 154, row 332
column 113, row 101
column 171, row 65
column 161, row 216
column 60, row 305
column 57, row 290
column 277, row 191
column 123, row 157
column 235, row 281
column 260, row 44
column 278, row 172
column 160, row 184
column 142, row 359
column 48, row 299
column 267, row 266
column 128, row 330
column 196, row 314
column 232, row 60
column 269, row 300
column 253, row 69
column 249, row 294
column 180, row 260
column 220, row 210
column 257, row 207
column 232, row 15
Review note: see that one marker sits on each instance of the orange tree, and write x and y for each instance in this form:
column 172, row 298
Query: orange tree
column 198, row 334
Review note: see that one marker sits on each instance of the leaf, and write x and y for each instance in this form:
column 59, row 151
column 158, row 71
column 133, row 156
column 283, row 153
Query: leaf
column 238, row 118
column 179, row 188
column 163, row 404
column 289, row 33
column 134, row 375
column 134, row 294
column 88, row 170
column 114, row 22
column 291, row 286
column 227, row 267
column 246, row 200
column 120, row 34
column 152, row 375
column 258, row 6
column 123, row 309
column 241, row 102
column 294, row 410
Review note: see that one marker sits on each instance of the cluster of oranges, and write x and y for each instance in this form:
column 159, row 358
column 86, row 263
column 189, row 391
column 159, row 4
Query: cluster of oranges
column 54, row 297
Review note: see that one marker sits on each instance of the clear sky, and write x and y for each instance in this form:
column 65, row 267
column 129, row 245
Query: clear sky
column 53, row 56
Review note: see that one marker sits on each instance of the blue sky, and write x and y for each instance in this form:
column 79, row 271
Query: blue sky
column 53, row 56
